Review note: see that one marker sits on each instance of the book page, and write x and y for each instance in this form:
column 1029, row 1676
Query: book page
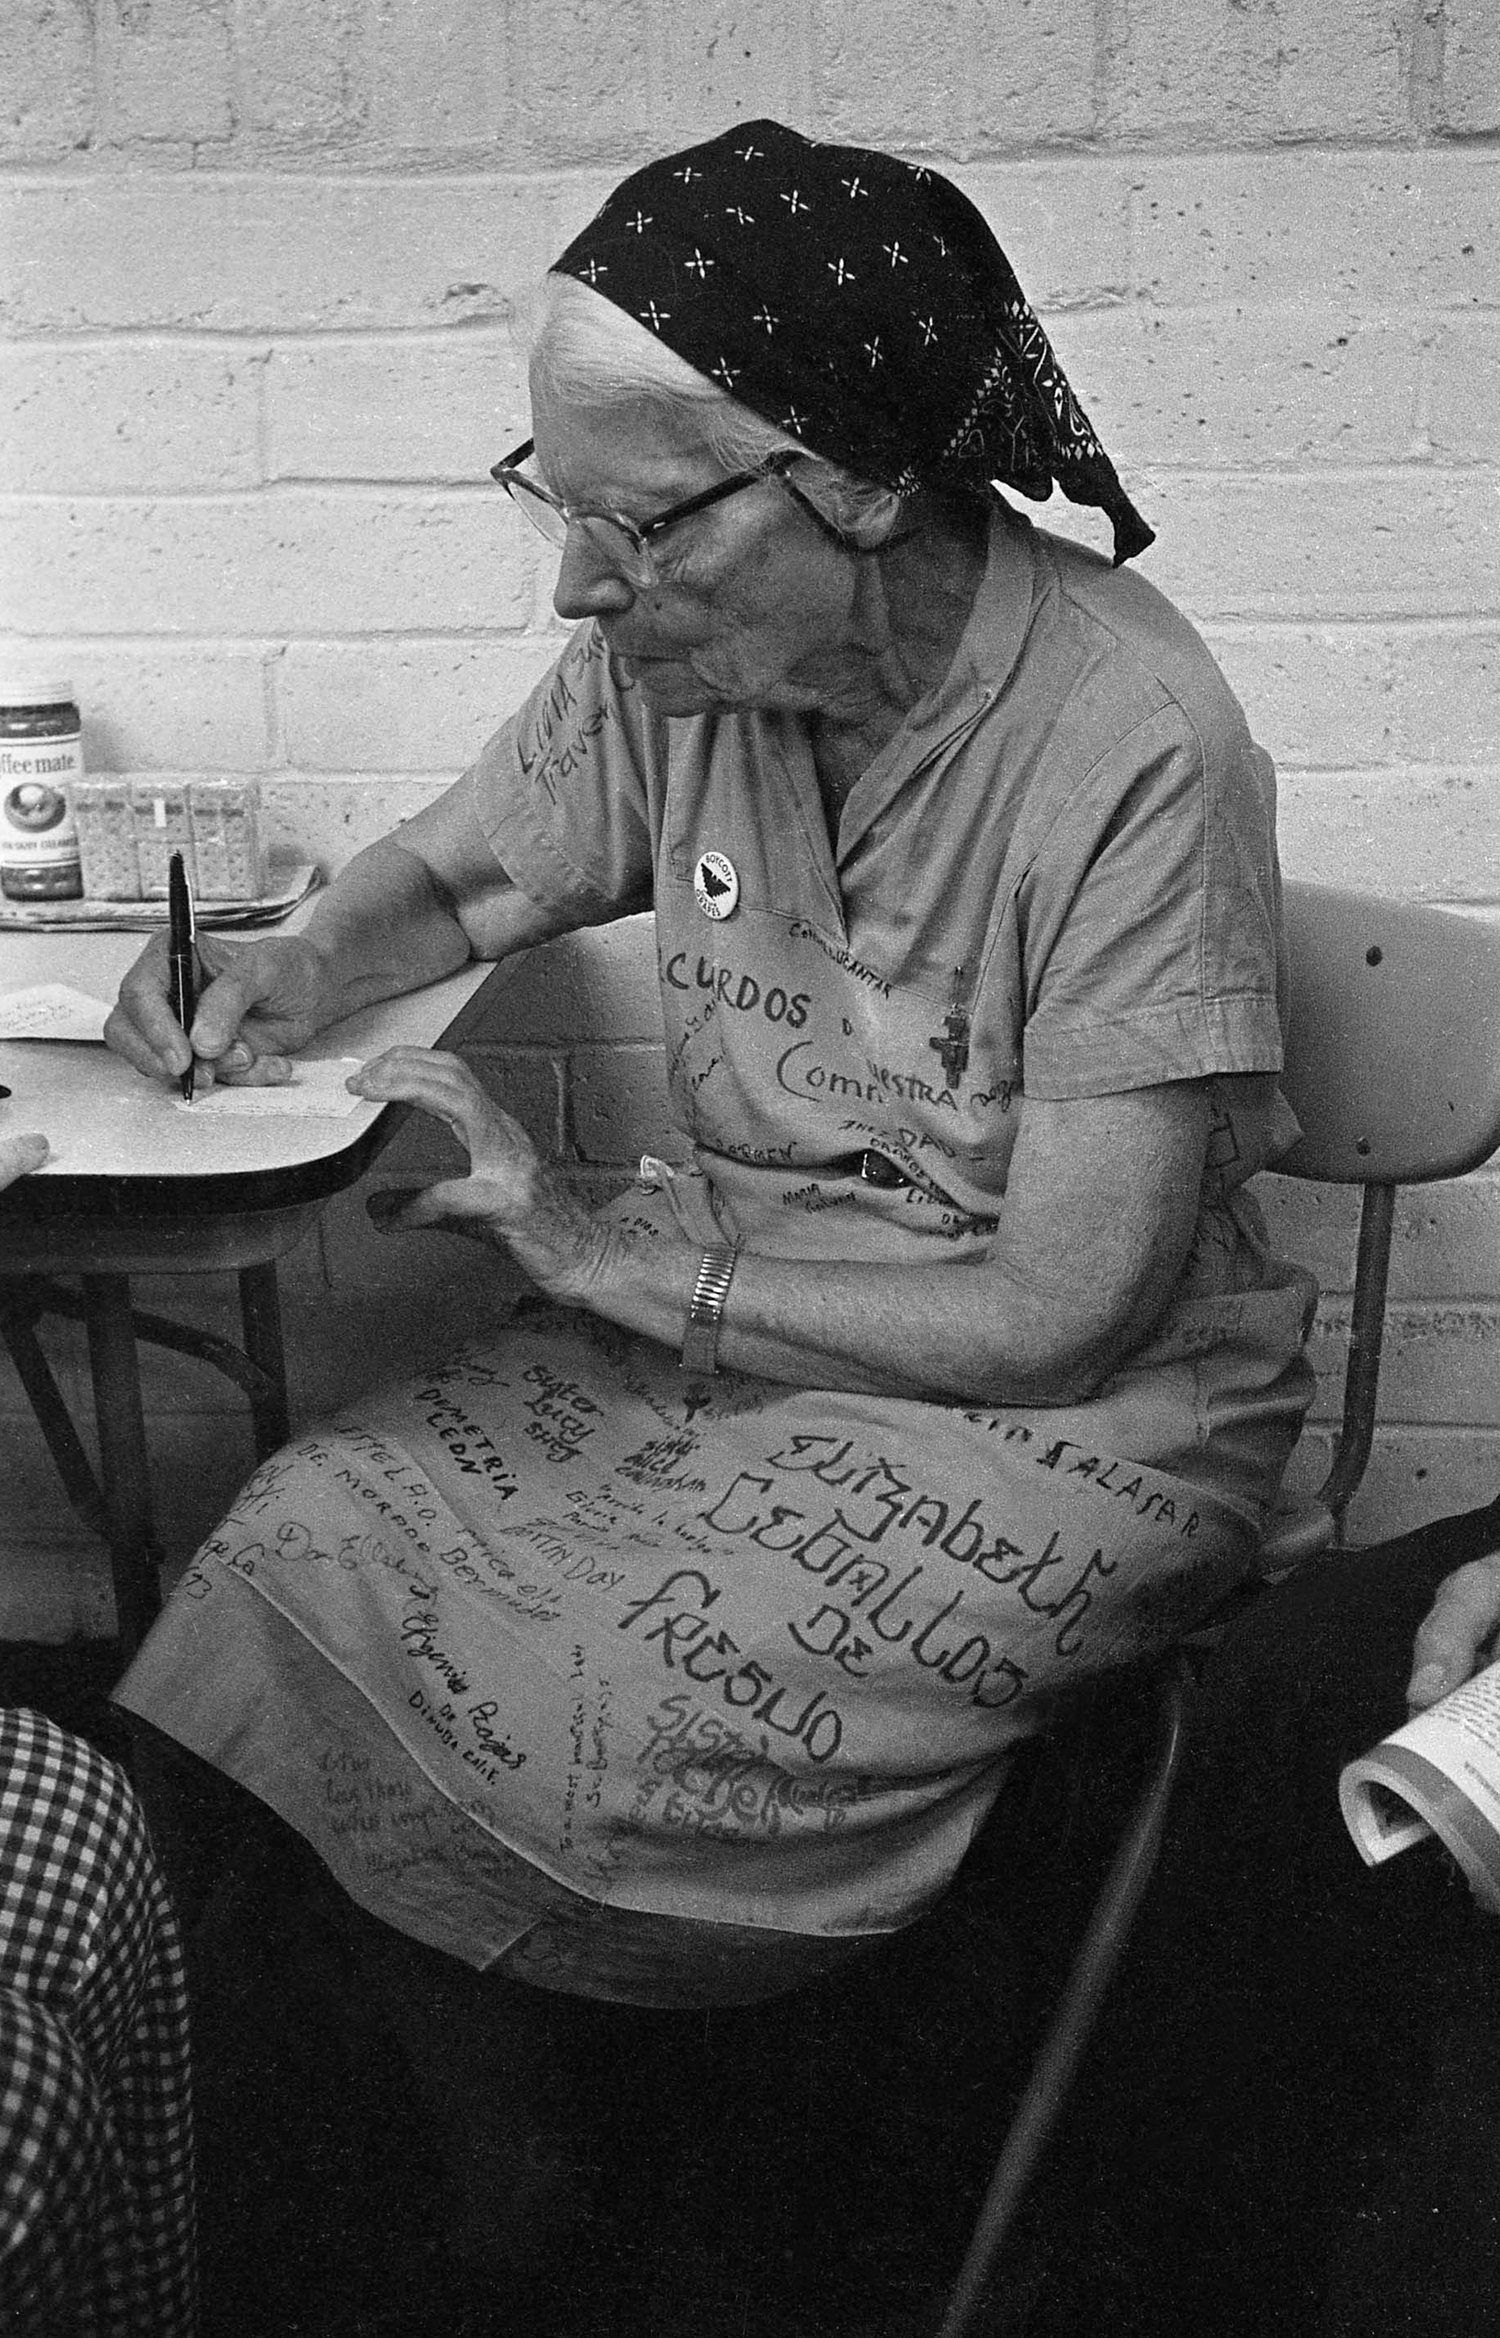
column 1438, row 1775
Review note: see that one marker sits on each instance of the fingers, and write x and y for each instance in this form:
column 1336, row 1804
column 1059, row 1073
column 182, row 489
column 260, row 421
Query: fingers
column 408, row 1074
column 409, row 1209
column 444, row 1086
column 240, row 1067
column 387, row 1207
column 141, row 1025
column 499, row 1194
column 1455, row 1635
column 231, row 996
column 257, row 1000
column 18, row 1154
column 477, row 1206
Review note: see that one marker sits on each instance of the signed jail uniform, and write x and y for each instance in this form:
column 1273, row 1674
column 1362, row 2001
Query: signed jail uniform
column 559, row 1641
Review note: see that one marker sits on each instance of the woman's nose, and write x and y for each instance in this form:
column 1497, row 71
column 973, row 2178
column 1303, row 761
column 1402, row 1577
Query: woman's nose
column 588, row 585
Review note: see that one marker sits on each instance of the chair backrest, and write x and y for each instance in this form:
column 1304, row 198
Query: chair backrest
column 1393, row 1061
column 1393, row 1071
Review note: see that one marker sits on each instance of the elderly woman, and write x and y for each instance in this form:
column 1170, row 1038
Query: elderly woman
column 671, row 1641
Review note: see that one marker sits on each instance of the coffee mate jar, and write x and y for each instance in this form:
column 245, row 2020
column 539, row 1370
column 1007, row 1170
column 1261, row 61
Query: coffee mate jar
column 41, row 756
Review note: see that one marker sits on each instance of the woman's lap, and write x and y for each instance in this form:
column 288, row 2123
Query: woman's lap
column 565, row 1627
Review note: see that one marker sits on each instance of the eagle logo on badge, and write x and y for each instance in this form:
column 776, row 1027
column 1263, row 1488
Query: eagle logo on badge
column 716, row 885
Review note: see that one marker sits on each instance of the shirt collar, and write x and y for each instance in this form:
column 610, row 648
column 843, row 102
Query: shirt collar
column 991, row 641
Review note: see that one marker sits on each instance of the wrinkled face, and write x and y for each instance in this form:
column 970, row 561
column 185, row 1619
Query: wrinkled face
column 755, row 606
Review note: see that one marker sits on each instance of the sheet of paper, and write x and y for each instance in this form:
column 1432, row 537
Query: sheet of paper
column 51, row 1010
column 316, row 1091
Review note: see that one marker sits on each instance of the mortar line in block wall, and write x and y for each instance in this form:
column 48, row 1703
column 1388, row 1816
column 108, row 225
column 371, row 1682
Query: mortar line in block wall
column 249, row 643
column 256, row 356
column 268, row 336
column 144, row 168
column 1428, row 345
column 263, row 339
column 16, row 639
column 590, row 181
column 1458, row 473
column 475, row 491
column 270, row 683
column 1294, row 628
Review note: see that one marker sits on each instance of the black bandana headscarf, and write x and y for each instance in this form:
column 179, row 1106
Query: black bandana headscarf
column 859, row 303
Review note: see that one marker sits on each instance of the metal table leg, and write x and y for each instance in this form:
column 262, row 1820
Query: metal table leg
column 18, row 1312
column 121, row 1512
column 133, row 1553
column 260, row 1312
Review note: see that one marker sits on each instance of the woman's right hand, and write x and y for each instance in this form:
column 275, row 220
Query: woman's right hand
column 259, row 1002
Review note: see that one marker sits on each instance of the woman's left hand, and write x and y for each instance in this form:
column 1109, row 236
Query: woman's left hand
column 509, row 1194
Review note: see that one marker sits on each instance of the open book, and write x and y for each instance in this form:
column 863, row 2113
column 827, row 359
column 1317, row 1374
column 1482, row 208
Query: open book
column 1438, row 1775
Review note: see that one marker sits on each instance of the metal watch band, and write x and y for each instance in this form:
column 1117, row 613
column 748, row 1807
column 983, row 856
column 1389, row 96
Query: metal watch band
column 701, row 1339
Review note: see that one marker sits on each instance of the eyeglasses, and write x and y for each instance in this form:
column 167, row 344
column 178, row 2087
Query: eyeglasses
column 626, row 543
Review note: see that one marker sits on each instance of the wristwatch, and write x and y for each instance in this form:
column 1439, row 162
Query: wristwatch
column 701, row 1339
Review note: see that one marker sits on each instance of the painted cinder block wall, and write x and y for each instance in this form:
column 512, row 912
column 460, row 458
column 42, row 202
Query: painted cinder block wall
column 256, row 264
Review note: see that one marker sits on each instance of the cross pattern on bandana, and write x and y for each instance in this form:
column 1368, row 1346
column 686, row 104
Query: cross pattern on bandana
column 808, row 279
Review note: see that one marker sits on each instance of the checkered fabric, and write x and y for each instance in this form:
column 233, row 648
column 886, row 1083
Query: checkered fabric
column 96, row 2186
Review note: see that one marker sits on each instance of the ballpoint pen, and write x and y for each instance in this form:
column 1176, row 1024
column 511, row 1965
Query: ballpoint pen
column 181, row 957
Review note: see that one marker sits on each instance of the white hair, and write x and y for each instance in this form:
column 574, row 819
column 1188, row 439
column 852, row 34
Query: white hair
column 581, row 346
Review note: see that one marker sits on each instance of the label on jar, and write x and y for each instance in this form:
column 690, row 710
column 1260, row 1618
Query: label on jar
column 36, row 821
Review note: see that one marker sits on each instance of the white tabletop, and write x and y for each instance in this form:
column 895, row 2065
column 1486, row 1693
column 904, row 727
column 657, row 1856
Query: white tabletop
column 101, row 1118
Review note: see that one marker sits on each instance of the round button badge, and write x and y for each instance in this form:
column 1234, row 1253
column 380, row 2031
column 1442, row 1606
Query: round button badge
column 716, row 885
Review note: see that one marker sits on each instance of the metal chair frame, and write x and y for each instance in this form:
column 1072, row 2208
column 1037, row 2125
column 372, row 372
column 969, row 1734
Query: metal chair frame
column 1392, row 1071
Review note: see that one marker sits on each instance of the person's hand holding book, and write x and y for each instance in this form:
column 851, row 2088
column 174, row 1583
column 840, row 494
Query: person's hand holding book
column 1457, row 1634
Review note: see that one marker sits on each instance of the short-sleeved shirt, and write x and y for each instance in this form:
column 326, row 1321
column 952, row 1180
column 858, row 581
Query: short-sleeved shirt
column 1058, row 879
column 560, row 1641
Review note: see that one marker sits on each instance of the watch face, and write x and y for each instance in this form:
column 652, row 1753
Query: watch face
column 716, row 885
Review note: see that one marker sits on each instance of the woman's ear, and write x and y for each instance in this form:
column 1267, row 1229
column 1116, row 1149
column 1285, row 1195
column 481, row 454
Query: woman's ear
column 863, row 512
column 875, row 515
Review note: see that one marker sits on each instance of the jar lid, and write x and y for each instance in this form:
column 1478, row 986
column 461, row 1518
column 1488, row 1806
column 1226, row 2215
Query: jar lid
column 18, row 688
